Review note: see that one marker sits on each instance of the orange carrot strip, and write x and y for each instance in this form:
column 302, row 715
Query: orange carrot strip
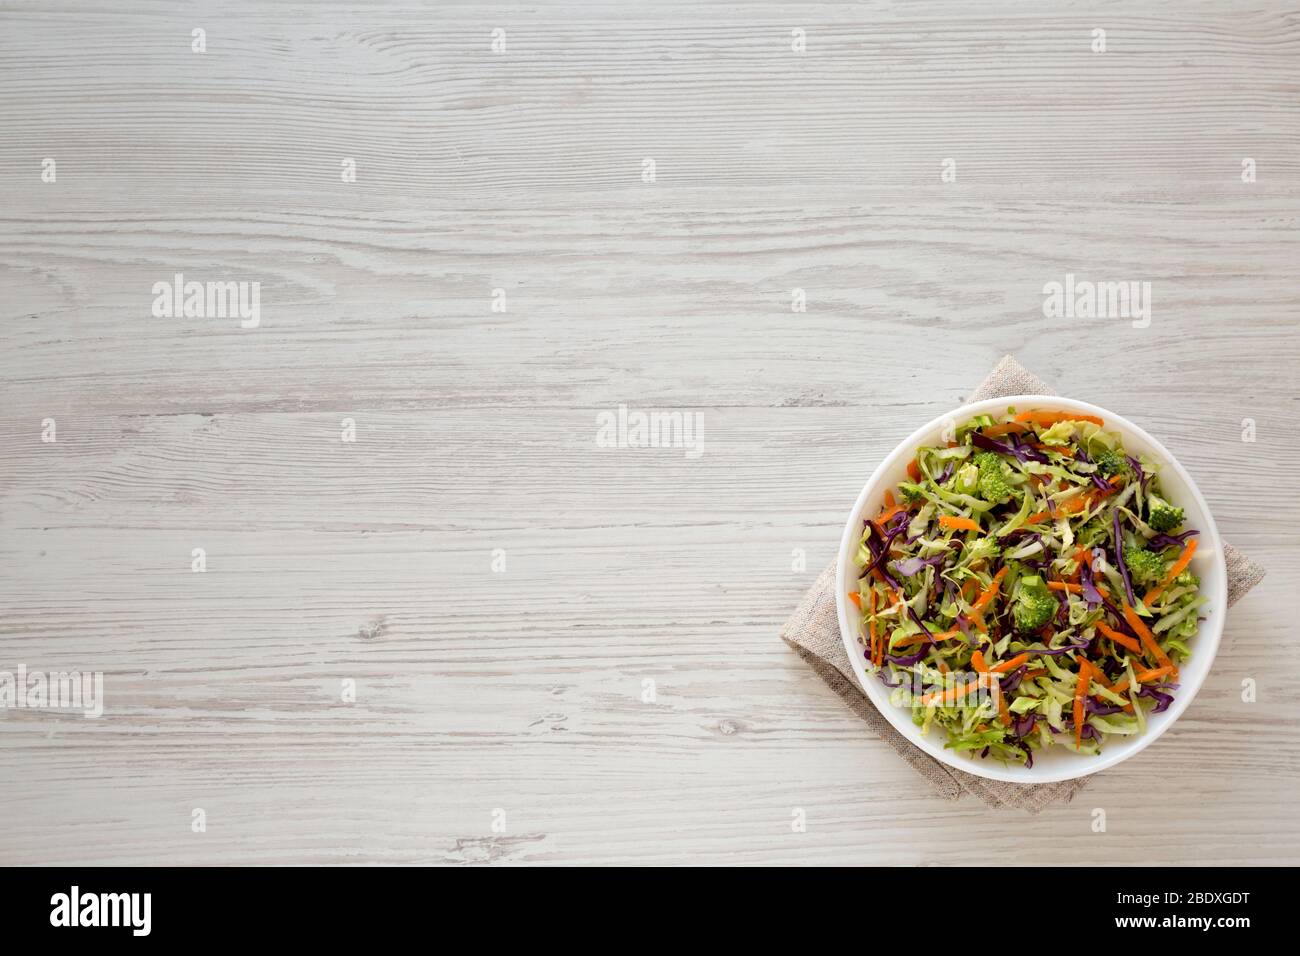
column 963, row 524
column 953, row 693
column 914, row 470
column 913, row 639
column 1081, row 691
column 889, row 498
column 856, row 598
column 1183, row 560
column 1148, row 639
column 991, row 591
column 1070, row 507
column 1010, row 665
column 1155, row 673
column 1081, row 556
column 1051, row 418
column 1121, row 639
column 1065, row 586
column 888, row 513
column 977, row 662
column 1004, row 714
column 1036, row 672
column 1144, row 677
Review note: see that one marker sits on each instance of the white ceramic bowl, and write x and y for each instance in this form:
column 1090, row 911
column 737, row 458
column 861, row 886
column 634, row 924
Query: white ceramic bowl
column 1055, row 763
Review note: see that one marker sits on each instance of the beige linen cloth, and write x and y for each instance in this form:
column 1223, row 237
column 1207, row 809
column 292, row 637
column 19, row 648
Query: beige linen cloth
column 814, row 633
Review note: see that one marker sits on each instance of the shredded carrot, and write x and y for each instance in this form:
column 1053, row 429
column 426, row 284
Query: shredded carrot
column 856, row 598
column 1065, row 586
column 913, row 639
column 954, row 693
column 914, row 470
column 1144, row 677
column 1148, row 639
column 887, row 514
column 1155, row 673
column 1081, row 691
column 1121, row 639
column 1080, row 557
column 1010, row 665
column 962, row 524
column 991, row 591
column 1072, row 506
column 889, row 498
column 1178, row 566
column 1036, row 672
column 1051, row 418
column 1003, row 712
column 968, row 586
column 977, row 662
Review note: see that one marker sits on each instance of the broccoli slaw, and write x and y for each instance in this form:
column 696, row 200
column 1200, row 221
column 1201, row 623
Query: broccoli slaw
column 1028, row 585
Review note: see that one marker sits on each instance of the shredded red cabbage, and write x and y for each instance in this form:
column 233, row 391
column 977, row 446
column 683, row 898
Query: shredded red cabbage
column 1162, row 540
column 1022, row 453
column 1162, row 700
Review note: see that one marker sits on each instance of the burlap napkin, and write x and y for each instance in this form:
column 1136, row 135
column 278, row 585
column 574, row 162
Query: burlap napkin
column 814, row 633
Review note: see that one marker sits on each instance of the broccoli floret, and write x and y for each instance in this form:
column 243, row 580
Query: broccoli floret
column 983, row 549
column 1187, row 580
column 1161, row 515
column 1113, row 463
column 911, row 493
column 1035, row 604
column 993, row 487
column 992, row 484
column 1146, row 567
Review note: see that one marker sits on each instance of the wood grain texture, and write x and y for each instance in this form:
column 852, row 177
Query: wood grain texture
column 371, row 560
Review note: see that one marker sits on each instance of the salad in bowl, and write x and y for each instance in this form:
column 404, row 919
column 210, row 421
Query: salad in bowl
column 1028, row 584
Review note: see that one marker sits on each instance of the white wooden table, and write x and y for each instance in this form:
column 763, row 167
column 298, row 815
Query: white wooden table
column 516, row 696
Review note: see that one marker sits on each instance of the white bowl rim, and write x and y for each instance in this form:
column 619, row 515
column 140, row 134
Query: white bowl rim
column 1207, row 639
